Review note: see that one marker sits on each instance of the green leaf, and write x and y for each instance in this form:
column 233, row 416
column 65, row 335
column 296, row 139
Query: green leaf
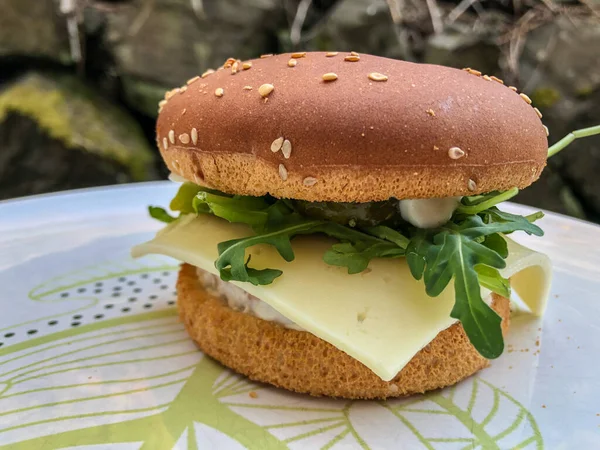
column 184, row 197
column 498, row 222
column 497, row 243
column 455, row 255
column 416, row 254
column 476, row 204
column 236, row 209
column 255, row 276
column 503, row 222
column 356, row 257
column 389, row 234
column 491, row 279
column 159, row 213
column 232, row 253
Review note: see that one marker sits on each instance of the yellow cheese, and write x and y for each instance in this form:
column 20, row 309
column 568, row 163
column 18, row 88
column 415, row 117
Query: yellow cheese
column 381, row 317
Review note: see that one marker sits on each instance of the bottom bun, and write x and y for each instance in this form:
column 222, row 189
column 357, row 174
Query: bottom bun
column 299, row 361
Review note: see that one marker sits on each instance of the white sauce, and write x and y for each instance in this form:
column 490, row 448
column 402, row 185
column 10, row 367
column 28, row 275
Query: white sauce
column 239, row 300
column 428, row 212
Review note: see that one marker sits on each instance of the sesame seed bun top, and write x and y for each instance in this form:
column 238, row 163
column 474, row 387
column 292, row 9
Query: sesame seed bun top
column 348, row 127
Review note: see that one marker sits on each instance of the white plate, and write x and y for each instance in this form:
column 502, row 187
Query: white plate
column 92, row 355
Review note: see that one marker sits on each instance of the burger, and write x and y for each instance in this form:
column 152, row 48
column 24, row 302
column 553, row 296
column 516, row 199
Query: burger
column 338, row 219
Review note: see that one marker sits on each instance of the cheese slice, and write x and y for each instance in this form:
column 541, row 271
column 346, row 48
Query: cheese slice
column 381, row 317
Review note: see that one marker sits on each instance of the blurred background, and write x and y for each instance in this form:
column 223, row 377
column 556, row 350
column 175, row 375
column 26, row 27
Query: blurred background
column 80, row 80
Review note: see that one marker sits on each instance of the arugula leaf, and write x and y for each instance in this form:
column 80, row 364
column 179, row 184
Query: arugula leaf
column 159, row 213
column 455, row 255
column 477, row 203
column 507, row 223
column 416, row 253
column 236, row 209
column 498, row 222
column 184, row 197
column 232, row 253
column 497, row 243
column 491, row 279
column 255, row 276
column 389, row 234
column 356, row 257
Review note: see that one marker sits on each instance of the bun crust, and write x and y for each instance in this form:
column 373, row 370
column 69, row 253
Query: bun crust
column 351, row 139
column 301, row 362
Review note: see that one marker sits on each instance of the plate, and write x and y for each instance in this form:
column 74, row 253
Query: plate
column 92, row 355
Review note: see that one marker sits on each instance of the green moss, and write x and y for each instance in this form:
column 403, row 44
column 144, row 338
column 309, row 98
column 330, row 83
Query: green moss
column 585, row 90
column 69, row 112
column 545, row 97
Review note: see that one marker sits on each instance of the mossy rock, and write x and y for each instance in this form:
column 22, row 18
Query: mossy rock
column 68, row 111
column 57, row 134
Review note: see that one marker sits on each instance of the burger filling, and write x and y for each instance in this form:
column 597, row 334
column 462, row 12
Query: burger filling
column 455, row 247
column 239, row 300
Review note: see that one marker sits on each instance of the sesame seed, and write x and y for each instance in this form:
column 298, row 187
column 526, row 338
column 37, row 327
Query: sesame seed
column 487, row 78
column 247, row 88
column 526, row 98
column 330, row 76
column 207, row 73
column 292, row 63
column 171, row 136
column 227, row 64
column 194, row 134
column 376, row 76
column 283, row 173
column 276, row 144
column 354, row 54
column 538, row 112
column 352, row 58
column 496, row 79
column 455, row 153
column 330, row 54
column 477, row 73
column 286, row 149
column 162, row 103
column 191, row 80
column 546, row 130
column 468, row 69
column 184, row 138
column 234, row 68
column 299, row 55
column 182, row 89
column 512, row 88
column 435, row 147
column 266, row 89
column 165, row 143
column 266, row 55
column 219, row 92
column 253, row 394
column 431, row 112
column 246, row 65
column 171, row 93
column 471, row 185
column 183, row 112
column 309, row 181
